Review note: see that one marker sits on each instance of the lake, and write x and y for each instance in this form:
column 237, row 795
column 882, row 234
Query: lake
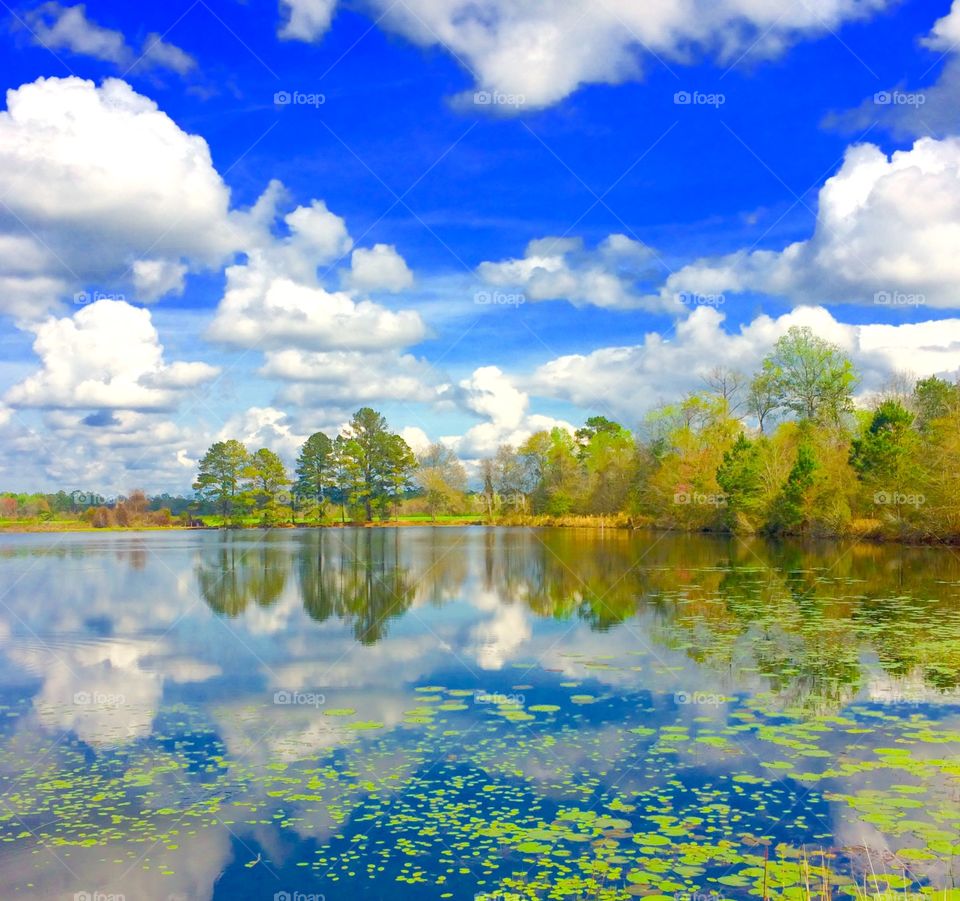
column 468, row 713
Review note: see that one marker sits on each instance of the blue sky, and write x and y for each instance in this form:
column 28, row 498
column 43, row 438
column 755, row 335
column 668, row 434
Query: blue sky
column 812, row 178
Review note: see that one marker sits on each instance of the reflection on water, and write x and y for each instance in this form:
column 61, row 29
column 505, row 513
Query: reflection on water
column 460, row 712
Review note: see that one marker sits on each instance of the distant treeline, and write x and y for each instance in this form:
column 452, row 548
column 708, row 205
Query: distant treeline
column 95, row 509
column 781, row 451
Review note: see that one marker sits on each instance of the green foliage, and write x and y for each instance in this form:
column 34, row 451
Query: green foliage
column 934, row 399
column 789, row 512
column 810, row 377
column 219, row 479
column 739, row 477
column 316, row 476
column 265, row 481
column 442, row 481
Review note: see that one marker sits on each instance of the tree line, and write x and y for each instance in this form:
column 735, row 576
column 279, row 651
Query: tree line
column 784, row 450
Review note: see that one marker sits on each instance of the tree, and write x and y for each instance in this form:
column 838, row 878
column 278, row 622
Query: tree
column 377, row 464
column 315, row 473
column 762, row 398
column 727, row 384
column 340, row 473
column 366, row 454
column 934, row 399
column 789, row 512
column 265, row 478
column 511, row 477
column 399, row 469
column 811, row 378
column 219, row 476
column 739, row 477
column 488, row 474
column 442, row 479
column 608, row 456
column 886, row 456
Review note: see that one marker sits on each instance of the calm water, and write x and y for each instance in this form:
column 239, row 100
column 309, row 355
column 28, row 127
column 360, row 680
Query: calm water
column 463, row 713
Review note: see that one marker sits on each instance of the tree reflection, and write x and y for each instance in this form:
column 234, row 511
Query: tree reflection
column 238, row 572
column 355, row 576
column 802, row 617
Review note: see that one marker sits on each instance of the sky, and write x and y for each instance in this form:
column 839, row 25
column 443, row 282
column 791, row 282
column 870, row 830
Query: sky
column 225, row 219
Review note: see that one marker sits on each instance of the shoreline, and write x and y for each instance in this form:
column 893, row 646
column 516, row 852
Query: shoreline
column 593, row 523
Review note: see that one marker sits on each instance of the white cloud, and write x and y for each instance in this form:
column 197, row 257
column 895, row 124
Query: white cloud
column 491, row 394
column 68, row 28
column 633, row 379
column 544, row 51
column 161, row 54
column 264, row 427
column 306, row 20
column 96, row 179
column 107, row 357
column 154, row 279
column 563, row 269
column 945, row 34
column 59, row 27
column 343, row 380
column 885, row 225
column 416, row 438
column 380, row 268
column 260, row 311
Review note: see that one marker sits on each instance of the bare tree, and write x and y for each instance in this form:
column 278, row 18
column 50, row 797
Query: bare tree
column 727, row 384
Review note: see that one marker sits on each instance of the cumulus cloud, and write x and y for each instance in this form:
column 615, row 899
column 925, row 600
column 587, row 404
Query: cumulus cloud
column 635, row 378
column 492, row 395
column 107, row 357
column 886, row 227
column 331, row 349
column 564, row 269
column 379, row 268
column 273, row 312
column 276, row 299
column 95, row 179
column 545, row 51
column 264, row 427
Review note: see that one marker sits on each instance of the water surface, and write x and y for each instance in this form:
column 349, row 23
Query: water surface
column 460, row 713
